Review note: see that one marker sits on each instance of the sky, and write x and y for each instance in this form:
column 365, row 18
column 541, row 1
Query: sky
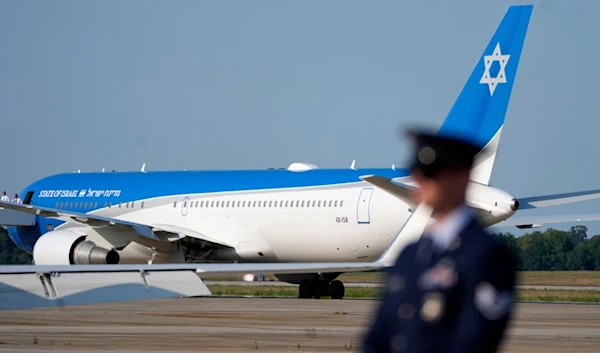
column 257, row 84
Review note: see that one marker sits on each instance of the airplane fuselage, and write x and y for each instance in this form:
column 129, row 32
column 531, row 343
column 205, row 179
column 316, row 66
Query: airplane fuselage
column 261, row 215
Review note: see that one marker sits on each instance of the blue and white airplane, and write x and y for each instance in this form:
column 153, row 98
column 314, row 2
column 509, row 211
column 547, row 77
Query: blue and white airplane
column 302, row 214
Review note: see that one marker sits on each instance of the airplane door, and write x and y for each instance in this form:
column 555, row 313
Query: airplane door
column 363, row 215
column 184, row 206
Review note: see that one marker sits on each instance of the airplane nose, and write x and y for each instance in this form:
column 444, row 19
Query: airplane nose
column 514, row 204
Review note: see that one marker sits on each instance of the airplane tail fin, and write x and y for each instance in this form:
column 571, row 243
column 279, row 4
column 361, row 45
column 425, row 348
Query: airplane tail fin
column 478, row 113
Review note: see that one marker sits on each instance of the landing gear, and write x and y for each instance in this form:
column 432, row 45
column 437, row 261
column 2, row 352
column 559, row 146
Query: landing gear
column 337, row 290
column 320, row 287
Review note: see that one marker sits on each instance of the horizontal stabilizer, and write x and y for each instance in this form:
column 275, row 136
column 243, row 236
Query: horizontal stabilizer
column 557, row 199
column 28, row 290
column 539, row 221
column 10, row 217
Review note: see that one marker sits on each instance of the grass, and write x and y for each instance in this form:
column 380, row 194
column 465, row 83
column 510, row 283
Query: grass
column 579, row 296
column 560, row 278
column 547, row 278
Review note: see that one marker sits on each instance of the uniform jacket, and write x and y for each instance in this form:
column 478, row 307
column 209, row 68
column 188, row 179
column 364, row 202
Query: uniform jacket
column 456, row 300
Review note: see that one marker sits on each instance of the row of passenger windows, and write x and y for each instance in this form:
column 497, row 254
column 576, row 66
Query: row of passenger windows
column 94, row 205
column 209, row 204
column 264, row 204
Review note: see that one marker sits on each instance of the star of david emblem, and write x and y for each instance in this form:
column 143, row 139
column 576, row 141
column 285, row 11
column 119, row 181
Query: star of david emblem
column 488, row 60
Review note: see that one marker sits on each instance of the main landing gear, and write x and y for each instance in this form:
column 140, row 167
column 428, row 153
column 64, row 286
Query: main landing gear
column 320, row 287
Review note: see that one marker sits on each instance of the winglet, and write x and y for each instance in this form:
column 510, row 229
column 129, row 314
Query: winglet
column 353, row 165
column 143, row 170
column 410, row 233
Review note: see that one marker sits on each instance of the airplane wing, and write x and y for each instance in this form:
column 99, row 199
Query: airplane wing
column 30, row 286
column 539, row 221
column 557, row 199
column 397, row 189
column 147, row 230
column 401, row 190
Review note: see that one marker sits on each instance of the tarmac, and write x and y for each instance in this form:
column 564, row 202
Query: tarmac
column 215, row 324
column 379, row 284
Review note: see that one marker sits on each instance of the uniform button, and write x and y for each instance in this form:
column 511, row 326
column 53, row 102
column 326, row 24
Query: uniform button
column 399, row 343
column 406, row 311
column 396, row 283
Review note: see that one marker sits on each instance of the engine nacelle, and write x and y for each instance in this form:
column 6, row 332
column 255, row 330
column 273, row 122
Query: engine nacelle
column 64, row 247
column 498, row 203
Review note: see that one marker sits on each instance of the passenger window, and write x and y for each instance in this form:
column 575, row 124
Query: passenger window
column 201, row 203
column 174, row 204
column 341, row 203
column 314, row 202
column 297, row 203
column 253, row 203
column 329, row 203
column 56, row 206
column 270, row 203
column 61, row 205
column 95, row 204
column 142, row 204
column 335, row 204
column 244, row 204
column 319, row 204
column 227, row 204
column 302, row 205
column 132, row 204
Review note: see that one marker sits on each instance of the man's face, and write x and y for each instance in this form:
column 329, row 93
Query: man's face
column 443, row 191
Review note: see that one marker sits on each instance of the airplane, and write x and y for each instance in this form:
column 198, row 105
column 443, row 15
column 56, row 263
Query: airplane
column 300, row 214
column 38, row 286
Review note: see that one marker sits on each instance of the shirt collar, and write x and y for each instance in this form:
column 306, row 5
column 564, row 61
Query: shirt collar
column 445, row 231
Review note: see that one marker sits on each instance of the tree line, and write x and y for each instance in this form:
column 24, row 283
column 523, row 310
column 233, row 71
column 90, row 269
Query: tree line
column 551, row 250
column 555, row 250
column 10, row 254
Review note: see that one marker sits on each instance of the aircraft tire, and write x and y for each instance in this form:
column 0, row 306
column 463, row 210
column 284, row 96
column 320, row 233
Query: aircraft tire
column 337, row 290
column 306, row 289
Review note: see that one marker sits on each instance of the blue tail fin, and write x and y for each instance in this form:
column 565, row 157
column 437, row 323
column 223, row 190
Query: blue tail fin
column 478, row 113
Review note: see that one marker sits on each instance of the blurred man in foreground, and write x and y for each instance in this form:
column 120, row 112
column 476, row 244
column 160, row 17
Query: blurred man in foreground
column 452, row 291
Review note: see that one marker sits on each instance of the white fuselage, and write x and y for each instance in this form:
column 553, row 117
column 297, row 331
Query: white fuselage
column 351, row 222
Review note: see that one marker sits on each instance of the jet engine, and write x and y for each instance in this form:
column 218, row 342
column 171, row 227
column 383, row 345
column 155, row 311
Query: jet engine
column 64, row 247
